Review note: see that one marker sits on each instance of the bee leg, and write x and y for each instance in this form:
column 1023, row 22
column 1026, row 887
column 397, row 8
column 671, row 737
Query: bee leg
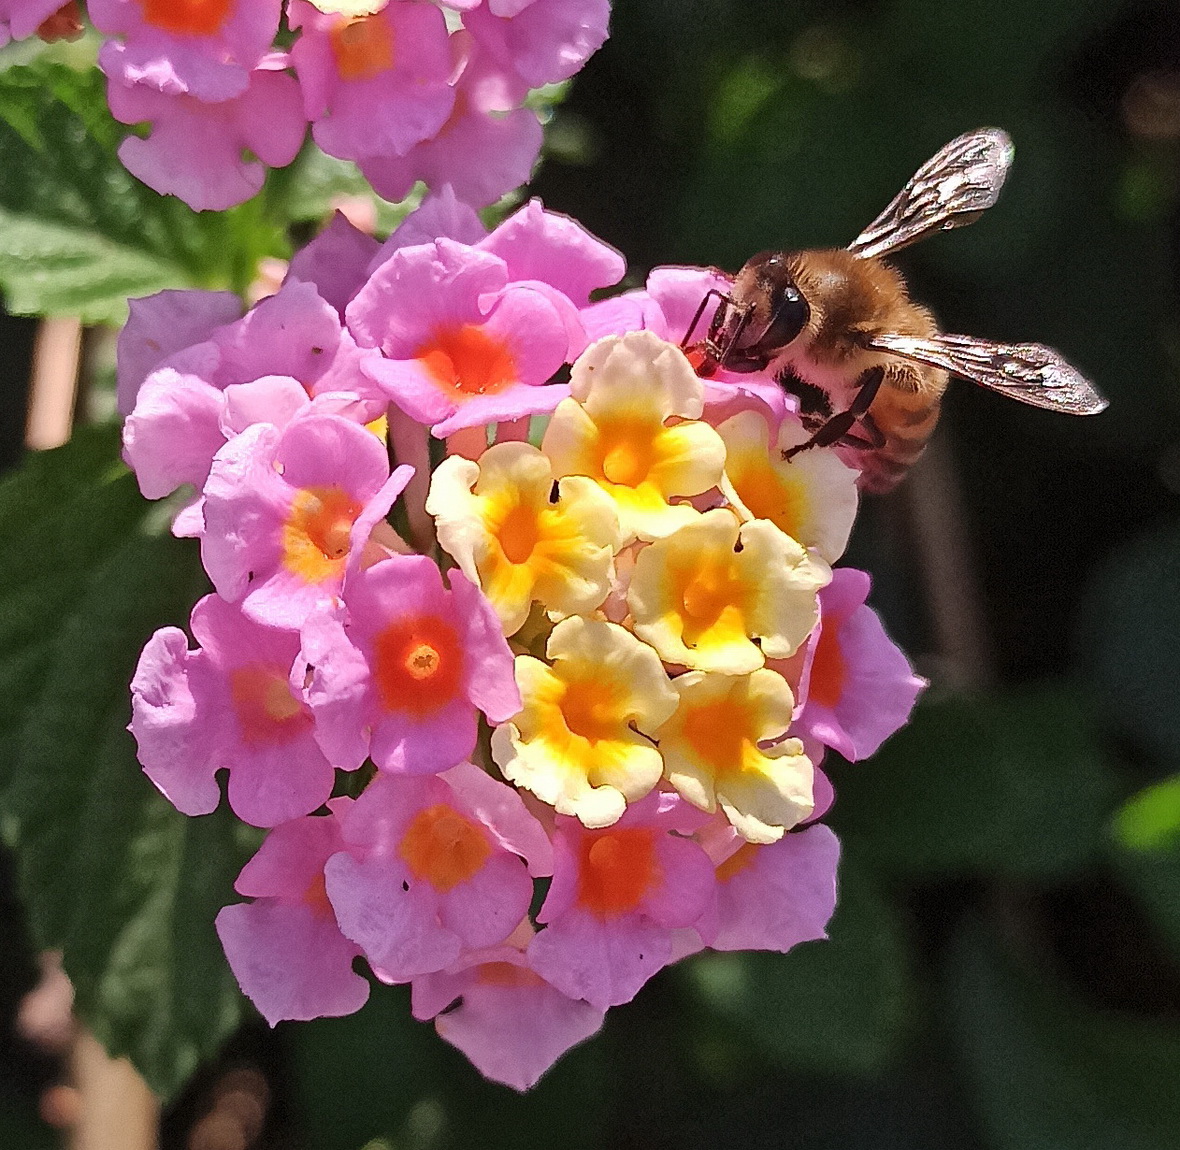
column 837, row 428
column 872, row 438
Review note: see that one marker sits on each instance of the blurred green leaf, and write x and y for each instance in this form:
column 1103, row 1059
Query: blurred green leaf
column 1130, row 640
column 1150, row 820
column 109, row 872
column 1154, row 878
column 1050, row 1071
column 415, row 1092
column 20, row 1127
column 1013, row 785
column 316, row 183
column 78, row 233
column 842, row 1005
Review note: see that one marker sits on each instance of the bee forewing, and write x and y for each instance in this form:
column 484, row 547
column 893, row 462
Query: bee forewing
column 1029, row 372
column 951, row 189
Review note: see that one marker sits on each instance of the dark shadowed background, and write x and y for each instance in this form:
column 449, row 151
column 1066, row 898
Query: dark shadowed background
column 1004, row 967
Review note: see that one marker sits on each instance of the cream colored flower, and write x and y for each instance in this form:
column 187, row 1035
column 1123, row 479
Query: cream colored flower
column 579, row 742
column 614, row 429
column 499, row 521
column 711, row 752
column 812, row 496
column 719, row 595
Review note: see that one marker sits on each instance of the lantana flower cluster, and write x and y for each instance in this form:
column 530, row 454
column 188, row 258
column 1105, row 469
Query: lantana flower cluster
column 407, row 89
column 562, row 726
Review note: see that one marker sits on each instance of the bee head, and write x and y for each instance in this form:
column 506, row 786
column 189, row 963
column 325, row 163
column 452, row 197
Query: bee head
column 765, row 314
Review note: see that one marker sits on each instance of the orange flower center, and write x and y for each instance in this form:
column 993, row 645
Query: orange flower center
column 737, row 862
column 268, row 714
column 591, row 710
column 618, row 868
column 717, row 731
column 507, row 974
column 187, row 17
column 467, row 360
column 363, row 47
column 767, row 497
column 315, row 536
column 518, row 534
column 627, row 452
column 316, row 897
column 444, row 848
column 708, row 590
column 419, row 665
column 828, row 671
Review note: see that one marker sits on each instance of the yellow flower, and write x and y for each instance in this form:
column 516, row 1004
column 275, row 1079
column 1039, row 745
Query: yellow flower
column 711, row 752
column 614, row 429
column 579, row 743
column 499, row 522
column 722, row 596
column 812, row 497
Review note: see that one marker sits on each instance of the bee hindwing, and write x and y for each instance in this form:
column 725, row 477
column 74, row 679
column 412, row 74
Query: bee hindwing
column 1029, row 372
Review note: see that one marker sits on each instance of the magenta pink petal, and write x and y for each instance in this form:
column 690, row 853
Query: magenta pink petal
column 541, row 245
column 161, row 324
column 336, row 261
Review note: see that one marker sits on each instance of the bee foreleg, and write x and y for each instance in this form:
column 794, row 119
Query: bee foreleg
column 836, row 428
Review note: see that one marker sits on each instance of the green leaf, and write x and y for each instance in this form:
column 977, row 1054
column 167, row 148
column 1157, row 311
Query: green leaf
column 381, row 1074
column 109, row 872
column 315, row 184
column 1013, row 785
column 1154, row 878
column 841, row 1005
column 1051, row 1072
column 1130, row 639
column 1150, row 820
column 78, row 233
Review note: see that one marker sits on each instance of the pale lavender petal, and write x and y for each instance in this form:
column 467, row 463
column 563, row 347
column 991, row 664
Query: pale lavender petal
column 783, row 897
column 391, row 917
column 289, row 962
column 512, row 1030
column 170, row 726
column 604, row 963
column 336, row 261
column 161, row 324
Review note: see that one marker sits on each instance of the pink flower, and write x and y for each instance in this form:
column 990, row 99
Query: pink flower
column 196, row 150
column 617, row 897
column 861, row 687
column 440, row 215
column 19, row 19
column 436, row 865
column 201, row 48
column 462, row 345
column 540, row 41
column 285, row 948
column 229, row 704
column 285, row 509
column 775, row 896
column 552, row 248
column 373, row 85
column 402, row 671
column 162, row 324
column 336, row 262
column 482, row 151
column 506, row 1018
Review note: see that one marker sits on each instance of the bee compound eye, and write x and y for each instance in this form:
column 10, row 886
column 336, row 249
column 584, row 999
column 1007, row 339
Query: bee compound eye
column 789, row 315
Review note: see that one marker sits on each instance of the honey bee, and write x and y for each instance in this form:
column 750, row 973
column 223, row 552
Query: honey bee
column 868, row 365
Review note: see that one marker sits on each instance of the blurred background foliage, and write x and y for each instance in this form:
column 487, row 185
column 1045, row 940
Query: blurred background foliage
column 1004, row 966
